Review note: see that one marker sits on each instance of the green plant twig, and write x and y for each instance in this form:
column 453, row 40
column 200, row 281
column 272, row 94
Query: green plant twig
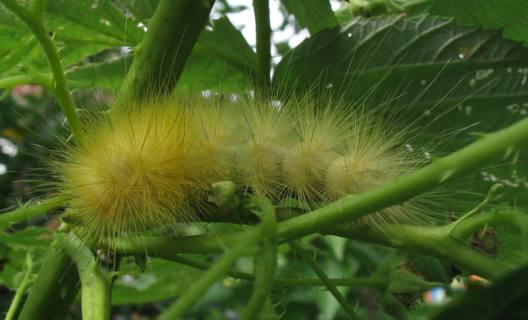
column 431, row 241
column 35, row 22
column 95, row 279
column 467, row 227
column 55, row 286
column 34, row 78
column 265, row 262
column 24, row 285
column 324, row 278
column 457, row 229
column 426, row 240
column 263, row 32
column 245, row 242
column 29, row 211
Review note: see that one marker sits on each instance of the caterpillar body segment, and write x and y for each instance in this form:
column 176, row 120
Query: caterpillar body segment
column 151, row 164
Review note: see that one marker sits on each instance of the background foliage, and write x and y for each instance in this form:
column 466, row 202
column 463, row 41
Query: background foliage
column 456, row 64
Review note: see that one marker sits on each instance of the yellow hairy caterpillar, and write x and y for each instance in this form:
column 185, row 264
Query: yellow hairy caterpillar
column 150, row 164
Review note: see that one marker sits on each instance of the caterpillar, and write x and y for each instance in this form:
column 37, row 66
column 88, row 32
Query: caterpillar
column 150, row 164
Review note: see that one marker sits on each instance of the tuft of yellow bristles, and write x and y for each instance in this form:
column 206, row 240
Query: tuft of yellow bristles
column 151, row 164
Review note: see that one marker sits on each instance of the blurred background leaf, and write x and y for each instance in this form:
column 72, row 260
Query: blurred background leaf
column 447, row 63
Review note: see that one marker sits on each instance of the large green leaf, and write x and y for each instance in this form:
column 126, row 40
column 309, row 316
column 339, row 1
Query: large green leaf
column 221, row 60
column 428, row 63
column 511, row 16
column 107, row 74
column 315, row 15
column 80, row 29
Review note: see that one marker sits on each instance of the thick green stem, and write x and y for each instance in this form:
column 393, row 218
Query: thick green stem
column 165, row 247
column 30, row 211
column 263, row 32
column 437, row 242
column 34, row 21
column 215, row 273
column 430, row 241
column 160, row 57
column 55, row 288
column 324, row 278
column 494, row 145
column 265, row 262
column 96, row 281
column 24, row 285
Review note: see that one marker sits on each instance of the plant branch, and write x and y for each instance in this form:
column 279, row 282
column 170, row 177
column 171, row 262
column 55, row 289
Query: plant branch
column 24, row 285
column 34, row 21
column 426, row 240
column 324, row 278
column 431, row 241
column 245, row 242
column 161, row 56
column 96, row 281
column 28, row 211
column 265, row 262
column 56, row 286
column 263, row 32
column 468, row 227
column 34, row 78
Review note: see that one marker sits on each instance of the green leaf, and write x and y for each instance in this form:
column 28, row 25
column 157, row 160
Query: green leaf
column 104, row 75
column 93, row 21
column 162, row 280
column 428, row 64
column 81, row 30
column 511, row 16
column 315, row 15
column 221, row 60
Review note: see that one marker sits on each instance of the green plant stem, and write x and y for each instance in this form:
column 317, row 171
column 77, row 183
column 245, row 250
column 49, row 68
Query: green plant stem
column 30, row 211
column 468, row 227
column 265, row 262
column 245, row 242
column 24, row 285
column 430, row 241
column 160, row 57
column 165, row 247
column 494, row 145
column 35, row 78
column 263, row 32
column 35, row 22
column 324, row 278
column 96, row 281
column 55, row 288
